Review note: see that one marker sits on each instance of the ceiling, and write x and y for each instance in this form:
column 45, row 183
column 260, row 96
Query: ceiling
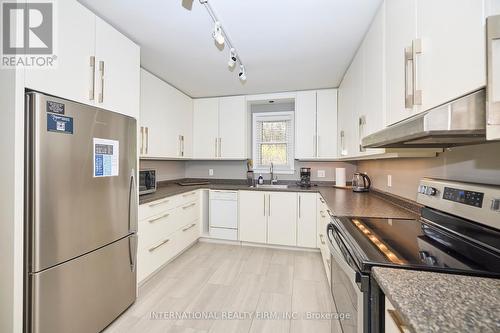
column 285, row 45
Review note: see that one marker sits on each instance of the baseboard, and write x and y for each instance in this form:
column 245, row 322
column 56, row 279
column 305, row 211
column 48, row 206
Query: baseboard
column 270, row 246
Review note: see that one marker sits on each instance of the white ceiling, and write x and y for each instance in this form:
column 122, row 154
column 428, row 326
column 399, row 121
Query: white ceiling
column 285, row 45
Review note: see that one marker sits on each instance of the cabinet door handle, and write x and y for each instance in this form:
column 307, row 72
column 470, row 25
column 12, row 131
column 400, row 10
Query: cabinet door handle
column 179, row 143
column 92, row 78
column 361, row 130
column 187, row 228
column 416, row 49
column 342, row 143
column 159, row 245
column 158, row 218
column 220, row 147
column 101, row 73
column 408, row 63
column 190, row 205
column 397, row 321
column 216, row 153
column 269, row 204
column 329, row 263
column 299, row 206
column 264, row 205
column 182, row 141
column 147, row 139
column 159, row 203
column 142, row 140
column 321, row 237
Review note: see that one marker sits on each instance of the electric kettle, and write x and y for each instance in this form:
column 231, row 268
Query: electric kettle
column 361, row 182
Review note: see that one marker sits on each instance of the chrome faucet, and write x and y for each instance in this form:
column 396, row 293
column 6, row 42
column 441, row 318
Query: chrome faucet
column 274, row 179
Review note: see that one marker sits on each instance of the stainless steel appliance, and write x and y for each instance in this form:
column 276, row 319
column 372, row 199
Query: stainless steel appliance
column 469, row 119
column 361, row 182
column 305, row 177
column 147, row 181
column 80, row 216
column 458, row 232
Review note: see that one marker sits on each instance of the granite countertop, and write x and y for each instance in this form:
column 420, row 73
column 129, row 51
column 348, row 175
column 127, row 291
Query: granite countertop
column 342, row 202
column 438, row 302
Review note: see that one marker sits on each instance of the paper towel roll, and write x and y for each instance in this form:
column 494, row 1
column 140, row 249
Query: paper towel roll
column 340, row 177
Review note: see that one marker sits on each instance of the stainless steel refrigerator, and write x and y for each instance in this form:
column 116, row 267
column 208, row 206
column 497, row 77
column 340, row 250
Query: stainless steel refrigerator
column 80, row 215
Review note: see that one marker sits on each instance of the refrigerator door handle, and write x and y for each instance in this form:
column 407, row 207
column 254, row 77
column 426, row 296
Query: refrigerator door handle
column 132, row 215
column 132, row 250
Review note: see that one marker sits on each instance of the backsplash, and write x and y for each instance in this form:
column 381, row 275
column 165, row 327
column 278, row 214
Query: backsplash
column 165, row 170
column 478, row 163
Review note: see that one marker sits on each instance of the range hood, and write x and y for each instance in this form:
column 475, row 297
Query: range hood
column 459, row 122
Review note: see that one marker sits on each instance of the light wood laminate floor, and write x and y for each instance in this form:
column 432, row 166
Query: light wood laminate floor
column 244, row 284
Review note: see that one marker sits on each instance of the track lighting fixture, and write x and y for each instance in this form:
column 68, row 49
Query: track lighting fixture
column 232, row 58
column 221, row 37
column 242, row 74
column 217, row 34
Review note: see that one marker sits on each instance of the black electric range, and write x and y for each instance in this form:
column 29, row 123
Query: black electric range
column 458, row 232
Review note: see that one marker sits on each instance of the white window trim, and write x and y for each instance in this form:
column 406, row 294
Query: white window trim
column 258, row 116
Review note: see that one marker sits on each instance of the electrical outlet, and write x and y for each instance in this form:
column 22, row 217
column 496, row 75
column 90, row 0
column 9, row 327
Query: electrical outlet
column 210, row 172
column 321, row 174
column 389, row 180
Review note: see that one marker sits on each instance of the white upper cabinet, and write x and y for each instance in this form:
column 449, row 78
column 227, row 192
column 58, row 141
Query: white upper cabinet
column 233, row 127
column 305, row 124
column 316, row 124
column 400, row 32
column 165, row 120
column 206, row 128
column 73, row 77
column 435, row 52
column 220, row 128
column 96, row 64
column 452, row 61
column 326, row 115
column 117, row 71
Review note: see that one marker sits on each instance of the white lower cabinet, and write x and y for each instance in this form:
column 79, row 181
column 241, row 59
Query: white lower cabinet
column 323, row 218
column 166, row 228
column 282, row 218
column 393, row 322
column 253, row 216
column 267, row 217
column 306, row 220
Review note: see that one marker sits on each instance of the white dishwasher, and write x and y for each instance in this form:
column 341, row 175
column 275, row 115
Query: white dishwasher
column 223, row 214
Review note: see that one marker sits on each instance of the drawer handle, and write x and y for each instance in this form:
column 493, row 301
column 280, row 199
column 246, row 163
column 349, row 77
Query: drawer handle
column 322, row 213
column 159, row 245
column 395, row 318
column 329, row 263
column 190, row 205
column 187, row 228
column 321, row 237
column 329, row 212
column 159, row 203
column 188, row 194
column 158, row 218
column 321, row 199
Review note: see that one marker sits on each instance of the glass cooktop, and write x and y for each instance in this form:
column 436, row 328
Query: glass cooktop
column 443, row 245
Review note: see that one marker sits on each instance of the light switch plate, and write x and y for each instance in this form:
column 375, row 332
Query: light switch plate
column 210, row 172
column 321, row 174
column 389, row 180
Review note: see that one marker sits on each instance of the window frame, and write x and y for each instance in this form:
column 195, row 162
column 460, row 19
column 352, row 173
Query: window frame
column 274, row 116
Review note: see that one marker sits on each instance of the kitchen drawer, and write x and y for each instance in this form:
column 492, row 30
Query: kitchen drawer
column 188, row 234
column 153, row 256
column 325, row 255
column 189, row 211
column 224, row 233
column 153, row 229
column 157, row 207
column 188, row 197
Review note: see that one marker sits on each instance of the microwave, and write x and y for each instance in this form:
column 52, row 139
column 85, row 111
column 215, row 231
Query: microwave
column 147, row 181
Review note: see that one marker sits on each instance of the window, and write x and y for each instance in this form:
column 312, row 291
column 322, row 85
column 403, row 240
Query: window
column 273, row 141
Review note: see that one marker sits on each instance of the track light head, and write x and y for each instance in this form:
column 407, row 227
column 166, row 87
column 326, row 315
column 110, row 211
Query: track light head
column 232, row 58
column 217, row 34
column 242, row 74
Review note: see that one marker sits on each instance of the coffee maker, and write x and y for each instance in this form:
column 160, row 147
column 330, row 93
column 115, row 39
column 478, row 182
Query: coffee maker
column 305, row 177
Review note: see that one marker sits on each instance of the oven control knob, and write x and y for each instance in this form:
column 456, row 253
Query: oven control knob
column 431, row 191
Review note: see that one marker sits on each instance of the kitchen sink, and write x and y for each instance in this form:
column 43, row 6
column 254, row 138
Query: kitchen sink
column 271, row 186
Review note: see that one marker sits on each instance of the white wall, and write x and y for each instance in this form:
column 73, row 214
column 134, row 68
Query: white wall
column 11, row 200
column 165, row 170
column 479, row 163
column 237, row 170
